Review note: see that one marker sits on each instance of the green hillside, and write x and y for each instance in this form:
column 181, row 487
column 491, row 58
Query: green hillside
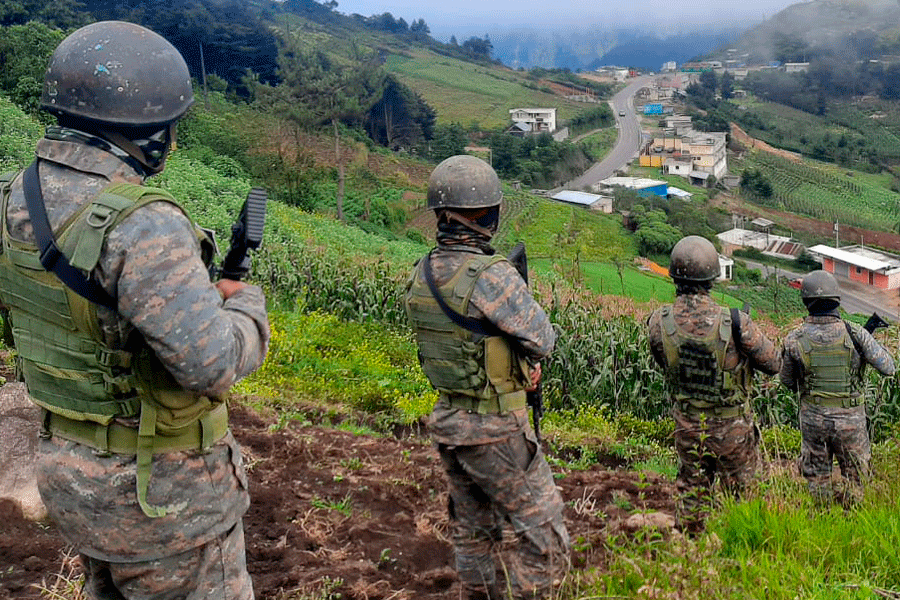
column 466, row 92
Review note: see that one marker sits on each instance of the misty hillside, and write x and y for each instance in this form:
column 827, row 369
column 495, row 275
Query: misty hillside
column 863, row 29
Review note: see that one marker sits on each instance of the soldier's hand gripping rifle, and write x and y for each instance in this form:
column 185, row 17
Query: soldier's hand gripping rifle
column 246, row 234
column 875, row 322
column 535, row 398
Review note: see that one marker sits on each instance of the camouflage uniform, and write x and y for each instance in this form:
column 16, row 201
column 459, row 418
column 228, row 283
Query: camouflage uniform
column 830, row 432
column 151, row 263
column 707, row 444
column 495, row 466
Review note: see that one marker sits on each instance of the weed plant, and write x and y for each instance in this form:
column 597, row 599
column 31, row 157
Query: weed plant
column 315, row 358
column 18, row 135
column 775, row 544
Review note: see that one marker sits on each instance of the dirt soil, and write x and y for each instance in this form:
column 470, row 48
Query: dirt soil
column 338, row 515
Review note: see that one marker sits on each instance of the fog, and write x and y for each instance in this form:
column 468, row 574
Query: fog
column 478, row 17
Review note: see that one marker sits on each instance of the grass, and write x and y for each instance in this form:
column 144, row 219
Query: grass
column 316, row 359
column 462, row 92
column 775, row 544
column 599, row 143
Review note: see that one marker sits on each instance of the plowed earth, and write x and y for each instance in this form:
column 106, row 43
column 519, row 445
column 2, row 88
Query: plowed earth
column 338, row 515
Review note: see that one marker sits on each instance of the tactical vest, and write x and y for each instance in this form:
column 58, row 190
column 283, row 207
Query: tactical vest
column 695, row 366
column 479, row 372
column 69, row 370
column 829, row 379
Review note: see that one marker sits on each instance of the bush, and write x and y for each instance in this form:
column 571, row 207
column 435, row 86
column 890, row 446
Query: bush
column 781, row 441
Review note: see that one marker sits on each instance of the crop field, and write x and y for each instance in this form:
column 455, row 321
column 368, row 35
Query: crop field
column 462, row 92
column 826, row 193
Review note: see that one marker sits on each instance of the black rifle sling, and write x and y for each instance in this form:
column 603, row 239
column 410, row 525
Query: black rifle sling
column 856, row 344
column 52, row 258
column 468, row 323
column 736, row 328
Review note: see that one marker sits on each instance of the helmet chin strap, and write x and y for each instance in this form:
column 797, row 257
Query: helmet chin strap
column 157, row 149
column 449, row 215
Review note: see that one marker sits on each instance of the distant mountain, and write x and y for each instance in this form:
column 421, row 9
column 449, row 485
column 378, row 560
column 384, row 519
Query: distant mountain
column 588, row 49
column 649, row 52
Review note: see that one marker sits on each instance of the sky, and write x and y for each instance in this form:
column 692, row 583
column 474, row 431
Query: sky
column 477, row 17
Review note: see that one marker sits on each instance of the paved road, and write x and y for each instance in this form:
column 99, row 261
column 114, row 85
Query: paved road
column 854, row 299
column 629, row 138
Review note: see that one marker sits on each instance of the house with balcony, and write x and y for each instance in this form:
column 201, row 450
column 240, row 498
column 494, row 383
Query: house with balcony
column 538, row 120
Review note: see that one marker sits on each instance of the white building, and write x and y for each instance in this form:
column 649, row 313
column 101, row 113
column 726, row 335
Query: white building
column 678, row 166
column 798, row 67
column 726, row 268
column 592, row 201
column 538, row 119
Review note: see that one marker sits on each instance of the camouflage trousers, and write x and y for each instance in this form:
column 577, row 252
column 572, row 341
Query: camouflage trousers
column 216, row 570
column 490, row 485
column 710, row 448
column 829, row 433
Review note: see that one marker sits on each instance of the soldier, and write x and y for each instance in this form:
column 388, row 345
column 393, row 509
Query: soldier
column 131, row 357
column 708, row 354
column 824, row 361
column 481, row 337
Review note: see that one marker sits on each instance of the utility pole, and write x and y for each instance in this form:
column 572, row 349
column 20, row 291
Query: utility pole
column 837, row 241
column 203, row 70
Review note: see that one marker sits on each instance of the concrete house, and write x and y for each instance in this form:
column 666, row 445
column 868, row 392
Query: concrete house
column 860, row 264
column 707, row 150
column 540, row 120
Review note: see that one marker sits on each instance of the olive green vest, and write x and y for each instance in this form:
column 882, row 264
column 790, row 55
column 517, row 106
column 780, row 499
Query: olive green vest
column 695, row 365
column 70, row 371
column 828, row 374
column 462, row 365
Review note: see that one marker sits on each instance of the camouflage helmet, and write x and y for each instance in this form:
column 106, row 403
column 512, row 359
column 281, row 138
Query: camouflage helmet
column 463, row 181
column 820, row 284
column 694, row 258
column 117, row 74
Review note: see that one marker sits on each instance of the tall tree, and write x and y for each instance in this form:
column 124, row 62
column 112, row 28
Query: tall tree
column 727, row 85
column 317, row 90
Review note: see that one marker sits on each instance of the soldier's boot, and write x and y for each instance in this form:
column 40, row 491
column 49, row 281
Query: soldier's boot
column 485, row 592
column 821, row 491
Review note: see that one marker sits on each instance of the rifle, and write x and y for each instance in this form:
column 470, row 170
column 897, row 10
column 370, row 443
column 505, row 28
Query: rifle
column 875, row 322
column 535, row 398
column 246, row 234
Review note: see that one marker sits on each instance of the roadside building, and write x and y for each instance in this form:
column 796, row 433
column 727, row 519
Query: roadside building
column 704, row 151
column 539, row 120
column 860, row 264
column 707, row 150
column 587, row 200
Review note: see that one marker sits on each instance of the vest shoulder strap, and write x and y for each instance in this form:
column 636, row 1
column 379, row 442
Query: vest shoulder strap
column 471, row 269
column 109, row 208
